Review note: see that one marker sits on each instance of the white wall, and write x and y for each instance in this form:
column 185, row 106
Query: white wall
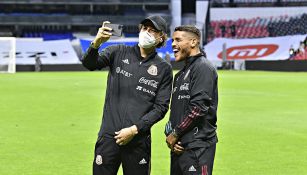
column 176, row 14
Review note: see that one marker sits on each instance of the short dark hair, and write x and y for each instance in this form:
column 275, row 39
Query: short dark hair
column 190, row 29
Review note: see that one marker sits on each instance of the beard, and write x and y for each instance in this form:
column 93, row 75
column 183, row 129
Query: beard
column 183, row 54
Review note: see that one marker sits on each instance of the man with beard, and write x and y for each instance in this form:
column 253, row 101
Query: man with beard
column 191, row 130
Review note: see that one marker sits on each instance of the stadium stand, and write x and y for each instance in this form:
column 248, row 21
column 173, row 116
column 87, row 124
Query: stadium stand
column 300, row 53
column 288, row 26
column 242, row 28
column 257, row 3
column 78, row 19
column 75, row 16
column 259, row 27
column 80, row 16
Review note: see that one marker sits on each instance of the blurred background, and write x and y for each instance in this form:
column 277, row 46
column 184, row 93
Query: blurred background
column 226, row 26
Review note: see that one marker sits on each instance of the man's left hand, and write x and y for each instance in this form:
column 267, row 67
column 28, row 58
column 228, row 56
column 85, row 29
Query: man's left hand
column 125, row 135
column 171, row 139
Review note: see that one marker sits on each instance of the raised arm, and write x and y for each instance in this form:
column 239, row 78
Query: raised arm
column 92, row 60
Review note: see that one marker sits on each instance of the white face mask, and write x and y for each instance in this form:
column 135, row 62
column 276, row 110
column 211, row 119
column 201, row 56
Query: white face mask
column 146, row 40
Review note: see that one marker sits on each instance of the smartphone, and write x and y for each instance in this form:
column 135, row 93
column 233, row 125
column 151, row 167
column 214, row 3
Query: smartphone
column 117, row 29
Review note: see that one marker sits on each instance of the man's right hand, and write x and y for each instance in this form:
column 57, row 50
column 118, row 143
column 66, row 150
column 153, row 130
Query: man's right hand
column 102, row 36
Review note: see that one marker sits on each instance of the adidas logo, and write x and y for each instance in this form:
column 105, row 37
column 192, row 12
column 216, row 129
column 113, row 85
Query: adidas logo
column 142, row 162
column 126, row 61
column 192, row 168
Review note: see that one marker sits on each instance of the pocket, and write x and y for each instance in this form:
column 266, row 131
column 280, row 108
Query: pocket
column 147, row 145
column 98, row 141
column 98, row 145
column 107, row 151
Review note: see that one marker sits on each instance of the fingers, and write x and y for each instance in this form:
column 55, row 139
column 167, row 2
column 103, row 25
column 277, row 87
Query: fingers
column 119, row 138
column 120, row 142
column 177, row 147
column 117, row 134
column 104, row 30
column 177, row 151
column 103, row 35
column 105, row 22
column 123, row 136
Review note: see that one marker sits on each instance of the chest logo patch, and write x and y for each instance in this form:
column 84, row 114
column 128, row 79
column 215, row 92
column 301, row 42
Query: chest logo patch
column 153, row 70
column 123, row 72
column 98, row 160
column 126, row 61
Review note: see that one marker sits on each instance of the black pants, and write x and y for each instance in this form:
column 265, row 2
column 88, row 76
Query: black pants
column 134, row 157
column 196, row 161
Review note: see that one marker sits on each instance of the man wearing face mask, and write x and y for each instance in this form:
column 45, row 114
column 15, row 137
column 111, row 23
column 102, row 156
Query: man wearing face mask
column 137, row 96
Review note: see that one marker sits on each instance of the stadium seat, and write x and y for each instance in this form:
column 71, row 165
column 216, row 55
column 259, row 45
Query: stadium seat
column 261, row 27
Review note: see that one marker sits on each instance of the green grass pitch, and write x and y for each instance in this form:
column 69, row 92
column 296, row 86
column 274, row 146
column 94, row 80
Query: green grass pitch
column 49, row 123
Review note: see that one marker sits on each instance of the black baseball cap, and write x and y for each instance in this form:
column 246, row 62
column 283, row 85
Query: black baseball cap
column 157, row 21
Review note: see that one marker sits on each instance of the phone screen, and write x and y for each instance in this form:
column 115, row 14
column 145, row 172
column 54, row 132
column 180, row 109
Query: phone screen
column 117, row 29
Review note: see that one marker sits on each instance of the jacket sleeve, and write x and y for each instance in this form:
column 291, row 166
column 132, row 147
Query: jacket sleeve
column 161, row 103
column 202, row 85
column 93, row 60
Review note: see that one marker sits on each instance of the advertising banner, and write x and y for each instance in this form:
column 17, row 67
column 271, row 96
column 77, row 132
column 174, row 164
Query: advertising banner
column 49, row 52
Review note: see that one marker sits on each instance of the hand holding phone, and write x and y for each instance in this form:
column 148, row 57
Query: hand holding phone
column 103, row 35
column 117, row 29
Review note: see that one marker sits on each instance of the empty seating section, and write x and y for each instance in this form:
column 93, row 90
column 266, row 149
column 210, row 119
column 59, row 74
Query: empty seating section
column 254, row 1
column 258, row 27
column 242, row 28
column 47, row 32
column 49, row 36
column 243, row 3
column 289, row 26
column 78, row 15
column 292, row 0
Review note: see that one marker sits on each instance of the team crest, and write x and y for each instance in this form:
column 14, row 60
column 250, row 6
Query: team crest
column 98, row 160
column 153, row 70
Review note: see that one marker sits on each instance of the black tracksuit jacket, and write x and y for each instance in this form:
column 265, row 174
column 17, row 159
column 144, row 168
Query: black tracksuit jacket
column 194, row 103
column 138, row 90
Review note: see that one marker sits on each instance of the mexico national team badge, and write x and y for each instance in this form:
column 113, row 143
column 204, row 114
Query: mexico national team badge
column 98, row 160
column 153, row 70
